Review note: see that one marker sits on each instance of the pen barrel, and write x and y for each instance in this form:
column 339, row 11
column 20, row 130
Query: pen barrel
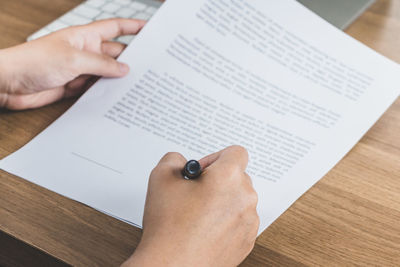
column 192, row 170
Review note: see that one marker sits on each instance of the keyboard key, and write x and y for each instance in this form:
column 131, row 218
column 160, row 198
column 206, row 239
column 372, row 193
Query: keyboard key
column 72, row 19
column 123, row 2
column 96, row 3
column 93, row 10
column 105, row 15
column 56, row 25
column 151, row 10
column 110, row 7
column 126, row 39
column 138, row 6
column 143, row 16
column 126, row 13
column 87, row 11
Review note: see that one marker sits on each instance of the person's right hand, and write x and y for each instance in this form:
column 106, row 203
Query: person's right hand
column 211, row 221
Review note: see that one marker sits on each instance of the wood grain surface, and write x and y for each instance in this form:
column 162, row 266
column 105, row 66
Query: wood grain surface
column 351, row 217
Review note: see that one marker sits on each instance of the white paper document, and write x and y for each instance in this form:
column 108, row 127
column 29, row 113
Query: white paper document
column 268, row 75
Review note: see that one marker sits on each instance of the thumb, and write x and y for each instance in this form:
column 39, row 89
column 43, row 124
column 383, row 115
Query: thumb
column 100, row 65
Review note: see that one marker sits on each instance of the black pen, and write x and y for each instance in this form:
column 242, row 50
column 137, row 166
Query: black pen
column 192, row 170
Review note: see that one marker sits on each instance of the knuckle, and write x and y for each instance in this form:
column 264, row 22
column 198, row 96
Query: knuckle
column 253, row 198
column 243, row 209
column 73, row 59
column 251, row 204
column 66, row 31
column 248, row 203
column 155, row 173
column 240, row 150
column 247, row 176
column 248, row 181
column 110, row 61
column 172, row 155
column 231, row 173
column 255, row 220
column 235, row 170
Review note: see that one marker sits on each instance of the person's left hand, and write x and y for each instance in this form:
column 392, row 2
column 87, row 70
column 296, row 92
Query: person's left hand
column 62, row 64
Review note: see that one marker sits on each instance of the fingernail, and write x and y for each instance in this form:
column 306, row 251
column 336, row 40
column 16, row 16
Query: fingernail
column 124, row 68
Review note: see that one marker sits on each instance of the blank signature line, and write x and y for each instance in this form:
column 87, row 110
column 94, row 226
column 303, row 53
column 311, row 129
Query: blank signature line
column 95, row 162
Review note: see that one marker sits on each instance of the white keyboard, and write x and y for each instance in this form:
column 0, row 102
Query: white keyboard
column 93, row 10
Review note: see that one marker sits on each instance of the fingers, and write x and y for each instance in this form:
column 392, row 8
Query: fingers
column 83, row 82
column 233, row 155
column 208, row 160
column 98, row 64
column 43, row 98
column 111, row 28
column 112, row 49
column 36, row 100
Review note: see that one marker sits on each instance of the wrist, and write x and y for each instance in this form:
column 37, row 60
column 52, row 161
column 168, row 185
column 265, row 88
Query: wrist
column 149, row 254
column 5, row 78
column 139, row 258
column 144, row 257
column 167, row 252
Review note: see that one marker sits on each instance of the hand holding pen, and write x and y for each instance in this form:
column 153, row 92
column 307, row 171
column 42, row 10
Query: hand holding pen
column 219, row 205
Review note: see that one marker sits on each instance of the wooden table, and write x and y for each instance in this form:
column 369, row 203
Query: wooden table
column 351, row 217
